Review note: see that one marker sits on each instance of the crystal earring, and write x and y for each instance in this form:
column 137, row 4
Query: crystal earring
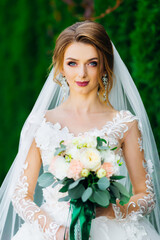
column 63, row 82
column 105, row 82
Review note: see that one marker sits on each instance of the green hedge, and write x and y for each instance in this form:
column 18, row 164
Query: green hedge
column 28, row 33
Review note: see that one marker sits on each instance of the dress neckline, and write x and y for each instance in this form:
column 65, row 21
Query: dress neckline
column 59, row 126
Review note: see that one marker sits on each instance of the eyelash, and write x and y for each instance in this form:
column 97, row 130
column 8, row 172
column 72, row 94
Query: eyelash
column 95, row 63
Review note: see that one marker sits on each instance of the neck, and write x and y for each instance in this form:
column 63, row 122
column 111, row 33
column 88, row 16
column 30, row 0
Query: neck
column 84, row 103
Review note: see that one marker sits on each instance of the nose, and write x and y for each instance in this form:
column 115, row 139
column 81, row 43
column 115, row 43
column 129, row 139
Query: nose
column 82, row 71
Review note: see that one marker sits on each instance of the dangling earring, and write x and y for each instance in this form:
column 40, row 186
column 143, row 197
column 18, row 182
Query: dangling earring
column 105, row 82
column 63, row 82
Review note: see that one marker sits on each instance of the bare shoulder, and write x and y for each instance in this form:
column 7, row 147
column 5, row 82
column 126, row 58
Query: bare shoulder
column 53, row 115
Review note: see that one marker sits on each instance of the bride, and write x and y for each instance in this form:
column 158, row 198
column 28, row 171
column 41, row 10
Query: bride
column 88, row 92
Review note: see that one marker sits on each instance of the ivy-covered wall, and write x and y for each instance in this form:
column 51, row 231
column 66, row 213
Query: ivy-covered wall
column 28, row 30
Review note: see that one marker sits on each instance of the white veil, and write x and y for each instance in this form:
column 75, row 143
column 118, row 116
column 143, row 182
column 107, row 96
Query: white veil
column 124, row 95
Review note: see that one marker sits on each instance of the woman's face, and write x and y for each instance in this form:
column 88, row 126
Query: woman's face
column 80, row 67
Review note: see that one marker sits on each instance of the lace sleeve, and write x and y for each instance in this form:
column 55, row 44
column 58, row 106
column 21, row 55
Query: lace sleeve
column 22, row 198
column 143, row 201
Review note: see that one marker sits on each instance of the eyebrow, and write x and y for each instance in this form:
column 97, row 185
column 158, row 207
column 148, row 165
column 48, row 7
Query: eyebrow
column 77, row 59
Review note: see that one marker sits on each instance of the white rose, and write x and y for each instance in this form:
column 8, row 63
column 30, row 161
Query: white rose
column 73, row 151
column 108, row 156
column 91, row 159
column 60, row 168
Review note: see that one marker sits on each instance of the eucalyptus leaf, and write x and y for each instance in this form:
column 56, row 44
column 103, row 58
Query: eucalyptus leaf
column 115, row 191
column 87, row 194
column 64, row 199
column 59, row 150
column 45, row 168
column 92, row 198
column 101, row 197
column 64, row 188
column 103, row 183
column 117, row 177
column 65, row 180
column 55, row 184
column 76, row 192
column 122, row 189
column 103, row 147
column 46, row 179
column 74, row 184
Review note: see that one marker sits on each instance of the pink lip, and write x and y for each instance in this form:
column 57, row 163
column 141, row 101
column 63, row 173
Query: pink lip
column 82, row 84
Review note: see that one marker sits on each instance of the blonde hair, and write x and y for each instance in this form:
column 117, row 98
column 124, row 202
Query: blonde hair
column 88, row 32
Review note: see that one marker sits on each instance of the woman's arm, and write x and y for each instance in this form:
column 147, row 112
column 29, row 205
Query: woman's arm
column 143, row 201
column 22, row 198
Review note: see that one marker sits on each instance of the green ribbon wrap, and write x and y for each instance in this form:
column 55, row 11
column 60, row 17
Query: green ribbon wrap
column 82, row 215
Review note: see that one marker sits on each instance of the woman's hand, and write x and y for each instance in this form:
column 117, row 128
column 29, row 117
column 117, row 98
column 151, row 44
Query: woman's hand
column 60, row 233
column 107, row 212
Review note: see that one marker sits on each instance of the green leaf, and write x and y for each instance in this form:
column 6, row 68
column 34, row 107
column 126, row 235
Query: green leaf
column 113, row 148
column 100, row 142
column 115, row 191
column 103, row 183
column 103, row 147
column 76, row 192
column 87, row 194
column 65, row 180
column 117, row 177
column 64, row 199
column 61, row 142
column 64, row 188
column 55, row 184
column 59, row 150
column 101, row 197
column 91, row 197
column 122, row 189
column 45, row 168
column 124, row 200
column 113, row 200
column 74, row 184
column 46, row 179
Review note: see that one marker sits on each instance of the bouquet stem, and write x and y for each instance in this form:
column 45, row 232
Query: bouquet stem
column 82, row 215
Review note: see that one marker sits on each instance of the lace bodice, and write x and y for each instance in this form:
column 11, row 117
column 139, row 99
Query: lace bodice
column 124, row 131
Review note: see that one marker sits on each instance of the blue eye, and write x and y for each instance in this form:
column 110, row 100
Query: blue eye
column 71, row 63
column 93, row 63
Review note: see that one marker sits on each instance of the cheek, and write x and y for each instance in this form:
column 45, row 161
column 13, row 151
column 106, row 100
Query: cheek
column 93, row 73
column 69, row 73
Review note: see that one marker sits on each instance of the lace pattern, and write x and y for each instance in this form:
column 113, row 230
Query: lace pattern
column 145, row 204
column 140, row 143
column 29, row 211
column 45, row 138
column 113, row 130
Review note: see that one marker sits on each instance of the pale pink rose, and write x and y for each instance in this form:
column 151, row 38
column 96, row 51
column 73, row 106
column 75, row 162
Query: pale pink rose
column 108, row 168
column 52, row 165
column 75, row 169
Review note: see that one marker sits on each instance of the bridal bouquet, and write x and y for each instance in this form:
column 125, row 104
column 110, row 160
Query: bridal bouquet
column 88, row 169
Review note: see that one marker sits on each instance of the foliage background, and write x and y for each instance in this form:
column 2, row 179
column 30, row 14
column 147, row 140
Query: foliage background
column 27, row 39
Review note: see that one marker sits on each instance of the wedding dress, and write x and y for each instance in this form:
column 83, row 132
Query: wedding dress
column 123, row 131
column 130, row 130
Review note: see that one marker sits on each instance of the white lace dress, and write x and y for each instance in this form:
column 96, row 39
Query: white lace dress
column 43, row 222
